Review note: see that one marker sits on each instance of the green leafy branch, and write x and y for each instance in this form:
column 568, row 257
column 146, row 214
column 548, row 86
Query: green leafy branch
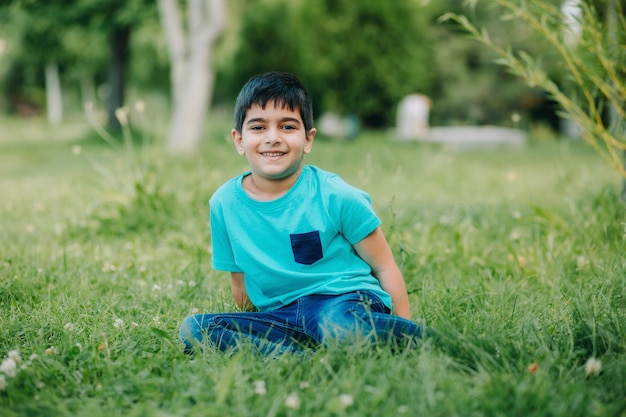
column 595, row 66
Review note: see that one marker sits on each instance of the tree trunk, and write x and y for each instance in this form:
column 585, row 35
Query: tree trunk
column 54, row 98
column 119, row 41
column 192, row 76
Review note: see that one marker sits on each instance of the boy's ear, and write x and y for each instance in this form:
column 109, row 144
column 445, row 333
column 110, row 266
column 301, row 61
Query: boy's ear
column 309, row 140
column 237, row 140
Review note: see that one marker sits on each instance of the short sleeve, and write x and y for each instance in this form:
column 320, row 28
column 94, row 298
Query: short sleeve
column 350, row 209
column 223, row 257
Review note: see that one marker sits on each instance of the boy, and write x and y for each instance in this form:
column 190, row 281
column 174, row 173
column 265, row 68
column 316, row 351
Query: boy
column 307, row 258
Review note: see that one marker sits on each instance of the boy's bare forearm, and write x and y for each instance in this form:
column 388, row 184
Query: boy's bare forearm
column 239, row 292
column 393, row 283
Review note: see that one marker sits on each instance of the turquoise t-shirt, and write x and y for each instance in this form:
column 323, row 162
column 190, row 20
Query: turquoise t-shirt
column 299, row 244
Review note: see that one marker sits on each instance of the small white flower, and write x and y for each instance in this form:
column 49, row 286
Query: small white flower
column 259, row 387
column 346, row 400
column 292, row 401
column 192, row 283
column 156, row 320
column 156, row 287
column 195, row 310
column 51, row 351
column 15, row 355
column 69, row 327
column 134, row 324
column 593, row 366
column 33, row 357
column 40, row 385
column 118, row 323
column 120, row 114
column 140, row 106
column 9, row 367
column 3, row 383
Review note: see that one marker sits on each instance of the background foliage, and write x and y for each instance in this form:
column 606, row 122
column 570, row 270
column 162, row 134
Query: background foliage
column 357, row 57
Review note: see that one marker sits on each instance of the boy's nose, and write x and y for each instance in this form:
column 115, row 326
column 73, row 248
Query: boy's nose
column 272, row 136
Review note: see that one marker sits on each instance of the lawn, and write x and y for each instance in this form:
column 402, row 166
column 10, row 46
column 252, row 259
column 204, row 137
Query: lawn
column 514, row 258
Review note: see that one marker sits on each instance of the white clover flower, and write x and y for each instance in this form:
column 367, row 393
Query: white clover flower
column 346, row 400
column 260, row 388
column 192, row 283
column 3, row 383
column 292, row 401
column 118, row 323
column 109, row 267
column 69, row 327
column 51, row 351
column 120, row 114
column 195, row 310
column 156, row 287
column 593, row 366
column 140, row 106
column 156, row 320
column 33, row 357
column 9, row 367
column 15, row 355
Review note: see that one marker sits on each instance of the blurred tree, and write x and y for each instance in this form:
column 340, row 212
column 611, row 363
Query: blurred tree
column 595, row 65
column 192, row 66
column 117, row 19
column 359, row 57
column 53, row 35
column 39, row 31
column 469, row 87
column 366, row 55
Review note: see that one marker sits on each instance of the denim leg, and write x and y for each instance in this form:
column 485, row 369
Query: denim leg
column 267, row 332
column 357, row 315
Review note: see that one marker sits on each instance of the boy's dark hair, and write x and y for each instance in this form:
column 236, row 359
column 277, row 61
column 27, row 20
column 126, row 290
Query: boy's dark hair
column 283, row 88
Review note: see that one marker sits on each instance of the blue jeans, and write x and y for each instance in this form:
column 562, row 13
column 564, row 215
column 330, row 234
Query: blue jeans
column 309, row 322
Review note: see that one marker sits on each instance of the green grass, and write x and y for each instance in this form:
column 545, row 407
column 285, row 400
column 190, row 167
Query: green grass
column 512, row 257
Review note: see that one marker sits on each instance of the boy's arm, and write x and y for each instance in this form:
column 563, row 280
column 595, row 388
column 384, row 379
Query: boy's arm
column 239, row 291
column 375, row 250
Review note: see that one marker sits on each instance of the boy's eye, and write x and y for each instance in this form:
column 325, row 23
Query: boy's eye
column 289, row 127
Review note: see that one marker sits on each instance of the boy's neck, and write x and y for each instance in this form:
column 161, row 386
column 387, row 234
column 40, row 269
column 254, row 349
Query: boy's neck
column 264, row 189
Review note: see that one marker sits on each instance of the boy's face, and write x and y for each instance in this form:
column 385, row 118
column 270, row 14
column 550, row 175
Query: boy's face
column 274, row 141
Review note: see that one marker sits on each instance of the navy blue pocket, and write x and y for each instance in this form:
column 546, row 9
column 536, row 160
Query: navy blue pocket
column 306, row 247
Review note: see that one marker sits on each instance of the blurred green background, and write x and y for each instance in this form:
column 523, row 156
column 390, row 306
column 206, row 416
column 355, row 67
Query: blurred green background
column 356, row 57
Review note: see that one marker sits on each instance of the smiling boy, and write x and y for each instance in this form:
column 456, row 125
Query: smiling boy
column 306, row 254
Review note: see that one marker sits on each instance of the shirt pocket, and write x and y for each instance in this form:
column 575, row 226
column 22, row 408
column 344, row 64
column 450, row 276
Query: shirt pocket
column 306, row 247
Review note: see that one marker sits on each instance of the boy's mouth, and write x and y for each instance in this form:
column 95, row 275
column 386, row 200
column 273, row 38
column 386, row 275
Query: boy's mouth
column 271, row 154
